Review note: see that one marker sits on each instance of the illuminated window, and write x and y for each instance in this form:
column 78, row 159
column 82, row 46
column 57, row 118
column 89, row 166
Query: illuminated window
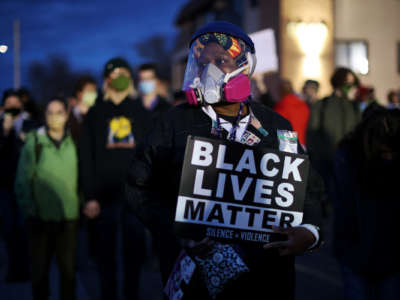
column 353, row 55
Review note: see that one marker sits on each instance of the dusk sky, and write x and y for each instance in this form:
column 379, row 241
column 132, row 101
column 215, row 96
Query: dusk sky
column 86, row 32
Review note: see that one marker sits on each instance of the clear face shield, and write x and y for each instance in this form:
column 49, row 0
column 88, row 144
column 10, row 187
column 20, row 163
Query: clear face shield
column 218, row 70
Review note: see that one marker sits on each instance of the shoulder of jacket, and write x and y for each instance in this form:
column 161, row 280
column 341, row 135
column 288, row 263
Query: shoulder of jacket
column 95, row 110
column 180, row 111
column 322, row 104
column 133, row 103
column 41, row 131
column 34, row 136
column 318, row 104
column 163, row 101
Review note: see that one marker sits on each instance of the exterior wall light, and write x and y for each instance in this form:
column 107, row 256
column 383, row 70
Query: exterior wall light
column 311, row 38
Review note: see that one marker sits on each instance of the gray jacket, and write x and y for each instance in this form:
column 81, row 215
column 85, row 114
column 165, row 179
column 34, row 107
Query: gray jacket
column 330, row 120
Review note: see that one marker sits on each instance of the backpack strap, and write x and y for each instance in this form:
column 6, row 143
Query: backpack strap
column 37, row 151
column 38, row 147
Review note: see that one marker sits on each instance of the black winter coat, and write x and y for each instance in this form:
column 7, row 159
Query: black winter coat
column 153, row 184
column 366, row 218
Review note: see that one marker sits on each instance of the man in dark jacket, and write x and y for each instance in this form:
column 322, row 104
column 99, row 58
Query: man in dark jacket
column 111, row 130
column 331, row 119
column 219, row 49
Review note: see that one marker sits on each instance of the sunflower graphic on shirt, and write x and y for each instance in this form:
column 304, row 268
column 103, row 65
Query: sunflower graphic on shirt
column 120, row 133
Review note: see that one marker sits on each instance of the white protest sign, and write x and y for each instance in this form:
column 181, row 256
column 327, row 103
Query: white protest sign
column 267, row 58
column 234, row 192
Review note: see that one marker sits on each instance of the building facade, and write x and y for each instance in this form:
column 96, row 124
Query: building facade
column 312, row 37
column 377, row 24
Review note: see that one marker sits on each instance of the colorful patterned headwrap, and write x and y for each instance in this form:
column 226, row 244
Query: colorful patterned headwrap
column 227, row 42
column 235, row 47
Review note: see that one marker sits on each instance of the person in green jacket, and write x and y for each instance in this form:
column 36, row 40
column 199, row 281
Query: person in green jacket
column 47, row 192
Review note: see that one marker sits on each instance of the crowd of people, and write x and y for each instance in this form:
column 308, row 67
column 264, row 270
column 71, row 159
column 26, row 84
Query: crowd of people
column 110, row 159
column 353, row 142
column 68, row 163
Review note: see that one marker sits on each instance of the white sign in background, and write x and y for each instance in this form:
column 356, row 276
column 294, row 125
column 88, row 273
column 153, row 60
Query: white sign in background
column 265, row 44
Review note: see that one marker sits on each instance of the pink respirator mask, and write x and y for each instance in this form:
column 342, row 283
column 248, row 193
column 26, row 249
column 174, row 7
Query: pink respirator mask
column 214, row 86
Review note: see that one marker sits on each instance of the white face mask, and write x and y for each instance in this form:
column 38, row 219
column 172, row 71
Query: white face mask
column 212, row 81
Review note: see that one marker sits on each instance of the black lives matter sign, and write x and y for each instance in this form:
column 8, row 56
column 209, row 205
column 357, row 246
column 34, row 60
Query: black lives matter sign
column 236, row 193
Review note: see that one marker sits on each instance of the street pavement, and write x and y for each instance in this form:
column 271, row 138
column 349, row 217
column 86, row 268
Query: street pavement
column 318, row 277
column 318, row 274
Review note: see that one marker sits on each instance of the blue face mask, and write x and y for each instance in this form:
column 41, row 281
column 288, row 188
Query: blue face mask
column 147, row 86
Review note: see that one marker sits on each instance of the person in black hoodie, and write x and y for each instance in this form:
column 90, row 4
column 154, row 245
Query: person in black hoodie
column 111, row 130
column 366, row 205
column 218, row 50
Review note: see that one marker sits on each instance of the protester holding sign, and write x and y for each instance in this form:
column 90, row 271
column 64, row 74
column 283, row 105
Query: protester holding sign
column 219, row 116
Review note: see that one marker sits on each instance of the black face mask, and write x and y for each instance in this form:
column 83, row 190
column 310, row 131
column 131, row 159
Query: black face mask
column 13, row 111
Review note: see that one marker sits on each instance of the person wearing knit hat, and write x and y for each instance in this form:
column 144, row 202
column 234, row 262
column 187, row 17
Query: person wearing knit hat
column 116, row 62
column 221, row 59
column 111, row 130
column 118, row 81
